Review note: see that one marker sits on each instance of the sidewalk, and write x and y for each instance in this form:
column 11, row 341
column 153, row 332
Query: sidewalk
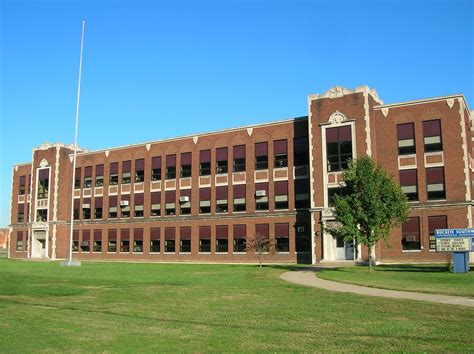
column 310, row 279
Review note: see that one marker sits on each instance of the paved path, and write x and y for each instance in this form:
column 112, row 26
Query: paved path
column 310, row 279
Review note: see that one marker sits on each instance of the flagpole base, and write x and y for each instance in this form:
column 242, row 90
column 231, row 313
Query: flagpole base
column 70, row 263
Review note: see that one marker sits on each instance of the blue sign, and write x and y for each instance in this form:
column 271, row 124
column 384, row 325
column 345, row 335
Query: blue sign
column 449, row 233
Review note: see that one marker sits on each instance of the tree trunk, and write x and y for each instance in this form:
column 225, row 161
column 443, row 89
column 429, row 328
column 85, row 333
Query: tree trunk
column 370, row 258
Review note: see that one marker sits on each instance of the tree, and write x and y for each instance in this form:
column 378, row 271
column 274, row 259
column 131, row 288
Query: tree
column 369, row 205
column 261, row 245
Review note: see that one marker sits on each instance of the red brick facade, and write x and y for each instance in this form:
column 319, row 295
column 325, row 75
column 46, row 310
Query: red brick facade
column 285, row 183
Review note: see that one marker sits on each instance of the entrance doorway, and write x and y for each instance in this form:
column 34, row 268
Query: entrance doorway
column 39, row 245
column 344, row 249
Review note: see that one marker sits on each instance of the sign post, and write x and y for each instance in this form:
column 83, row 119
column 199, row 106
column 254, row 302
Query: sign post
column 458, row 241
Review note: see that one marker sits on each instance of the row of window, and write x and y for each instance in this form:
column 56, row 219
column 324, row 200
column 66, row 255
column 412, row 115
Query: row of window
column 432, row 138
column 121, row 240
column 280, row 159
column 239, row 202
column 435, row 186
column 411, row 237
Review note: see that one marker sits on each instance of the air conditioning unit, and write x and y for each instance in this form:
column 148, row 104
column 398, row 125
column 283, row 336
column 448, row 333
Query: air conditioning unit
column 86, row 206
column 184, row 199
column 123, row 203
column 300, row 229
column 260, row 193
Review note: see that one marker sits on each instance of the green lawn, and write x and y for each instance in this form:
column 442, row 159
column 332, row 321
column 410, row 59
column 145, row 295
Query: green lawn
column 199, row 308
column 422, row 278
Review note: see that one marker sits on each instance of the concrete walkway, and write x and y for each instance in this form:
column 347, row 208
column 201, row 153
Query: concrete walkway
column 310, row 279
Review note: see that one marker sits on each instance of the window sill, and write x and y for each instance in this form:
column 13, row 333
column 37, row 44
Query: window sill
column 262, row 211
column 239, row 212
column 287, row 209
column 435, row 200
column 239, row 252
column 124, row 252
column 97, row 252
column 184, row 252
column 169, row 252
column 137, row 252
column 283, row 252
column 411, row 251
column 217, row 253
column 205, row 253
column 108, row 252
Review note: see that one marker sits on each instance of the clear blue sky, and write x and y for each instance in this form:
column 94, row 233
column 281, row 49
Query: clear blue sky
column 155, row 69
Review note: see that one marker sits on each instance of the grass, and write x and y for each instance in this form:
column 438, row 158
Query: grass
column 421, row 278
column 123, row 307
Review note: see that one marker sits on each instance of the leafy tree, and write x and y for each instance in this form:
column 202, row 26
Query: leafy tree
column 369, row 205
column 261, row 245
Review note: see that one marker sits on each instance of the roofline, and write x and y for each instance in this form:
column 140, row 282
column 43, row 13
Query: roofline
column 227, row 130
column 21, row 164
column 425, row 100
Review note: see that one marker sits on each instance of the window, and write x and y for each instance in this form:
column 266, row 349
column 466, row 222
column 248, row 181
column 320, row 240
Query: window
column 19, row 241
column 302, row 237
column 98, row 208
column 22, row 186
column 409, row 184
column 281, row 195
column 170, row 167
column 332, row 192
column 240, row 243
column 411, row 234
column 435, row 183
column 302, row 193
column 204, row 200
column 434, row 223
column 43, row 183
column 239, row 198
column 282, row 237
column 124, row 241
column 125, row 206
column 185, row 239
column 221, row 199
column 185, row 201
column 239, row 158
column 156, row 168
column 138, row 241
column 155, row 235
column 77, row 178
column 432, row 135
column 112, row 207
column 113, row 179
column 406, row 139
column 88, row 177
column 221, row 160
column 21, row 212
column 97, row 246
column 338, row 148
column 86, row 208
column 75, row 241
column 262, row 232
column 126, row 172
column 170, row 202
column 112, row 245
column 301, row 151
column 186, row 165
column 280, row 154
column 205, row 239
column 85, row 244
column 261, row 196
column 155, row 204
column 261, row 156
column 42, row 215
column 99, row 175
column 204, row 163
column 170, row 240
column 138, row 205
column 222, row 239
column 139, row 170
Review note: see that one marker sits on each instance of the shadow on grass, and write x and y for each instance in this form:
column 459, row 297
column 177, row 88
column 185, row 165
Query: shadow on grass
column 412, row 268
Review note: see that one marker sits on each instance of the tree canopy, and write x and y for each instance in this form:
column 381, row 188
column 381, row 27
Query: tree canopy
column 369, row 205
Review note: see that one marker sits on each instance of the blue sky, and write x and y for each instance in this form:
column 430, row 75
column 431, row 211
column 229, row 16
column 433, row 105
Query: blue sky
column 156, row 69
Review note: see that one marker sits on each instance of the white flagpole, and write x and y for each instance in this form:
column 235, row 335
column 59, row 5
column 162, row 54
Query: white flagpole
column 69, row 262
